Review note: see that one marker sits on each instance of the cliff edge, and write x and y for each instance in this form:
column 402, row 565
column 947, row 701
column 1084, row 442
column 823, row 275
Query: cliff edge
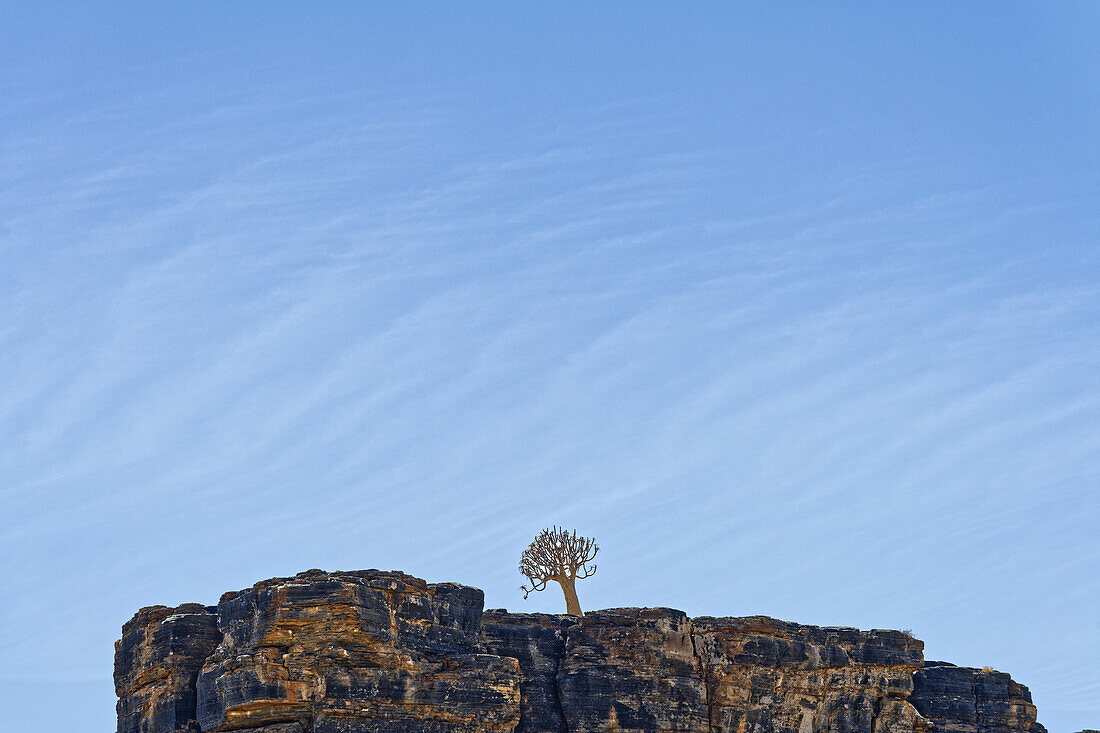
column 383, row 652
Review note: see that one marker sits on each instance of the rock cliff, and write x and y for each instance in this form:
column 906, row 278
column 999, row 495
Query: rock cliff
column 384, row 652
column 968, row 700
column 157, row 661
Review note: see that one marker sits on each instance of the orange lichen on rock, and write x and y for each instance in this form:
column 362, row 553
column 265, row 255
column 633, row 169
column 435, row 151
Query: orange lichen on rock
column 765, row 674
column 321, row 648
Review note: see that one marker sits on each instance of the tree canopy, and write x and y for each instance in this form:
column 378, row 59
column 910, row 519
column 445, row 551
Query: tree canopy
column 561, row 556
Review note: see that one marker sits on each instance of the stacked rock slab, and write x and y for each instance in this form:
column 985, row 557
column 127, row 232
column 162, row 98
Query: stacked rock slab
column 156, row 663
column 771, row 676
column 969, row 700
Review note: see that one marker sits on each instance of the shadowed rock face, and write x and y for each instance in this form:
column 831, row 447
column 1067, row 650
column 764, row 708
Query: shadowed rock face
column 969, row 700
column 537, row 641
column 383, row 652
column 156, row 663
column 654, row 669
column 632, row 669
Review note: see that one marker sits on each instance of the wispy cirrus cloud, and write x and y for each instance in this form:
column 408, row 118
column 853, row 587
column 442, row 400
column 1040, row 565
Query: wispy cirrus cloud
column 381, row 340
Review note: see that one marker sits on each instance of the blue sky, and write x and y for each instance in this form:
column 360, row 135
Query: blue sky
column 796, row 311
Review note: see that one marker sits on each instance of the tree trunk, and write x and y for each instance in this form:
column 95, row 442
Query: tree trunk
column 572, row 605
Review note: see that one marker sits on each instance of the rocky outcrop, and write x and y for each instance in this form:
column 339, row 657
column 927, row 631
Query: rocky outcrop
column 537, row 642
column 654, row 669
column 320, row 652
column 365, row 651
column 969, row 700
column 767, row 675
column 632, row 669
column 383, row 652
column 157, row 661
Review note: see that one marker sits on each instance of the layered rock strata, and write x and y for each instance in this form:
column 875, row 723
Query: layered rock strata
column 769, row 675
column 969, row 700
column 157, row 661
column 537, row 642
column 365, row 651
column 383, row 652
column 656, row 670
column 632, row 669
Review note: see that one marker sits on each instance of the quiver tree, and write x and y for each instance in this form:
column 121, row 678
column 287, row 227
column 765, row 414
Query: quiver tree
column 562, row 556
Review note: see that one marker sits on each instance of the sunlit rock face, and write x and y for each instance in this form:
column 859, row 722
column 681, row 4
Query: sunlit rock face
column 969, row 700
column 363, row 651
column 769, row 676
column 384, row 652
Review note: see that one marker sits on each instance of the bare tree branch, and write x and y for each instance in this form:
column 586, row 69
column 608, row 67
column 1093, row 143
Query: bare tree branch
column 558, row 555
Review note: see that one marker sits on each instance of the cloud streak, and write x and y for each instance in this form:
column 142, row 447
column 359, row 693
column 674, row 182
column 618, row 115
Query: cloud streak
column 354, row 345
